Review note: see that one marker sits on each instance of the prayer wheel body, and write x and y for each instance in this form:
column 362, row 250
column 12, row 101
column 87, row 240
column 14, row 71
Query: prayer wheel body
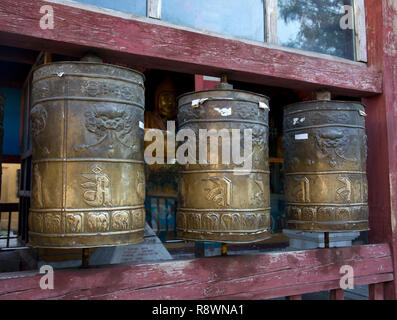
column 325, row 154
column 87, row 168
column 225, row 202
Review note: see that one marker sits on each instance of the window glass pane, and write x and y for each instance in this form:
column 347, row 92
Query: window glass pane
column 244, row 19
column 137, row 7
column 324, row 26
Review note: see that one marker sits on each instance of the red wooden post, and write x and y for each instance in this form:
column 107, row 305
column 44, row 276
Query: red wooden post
column 382, row 129
column 337, row 294
column 205, row 82
column 376, row 291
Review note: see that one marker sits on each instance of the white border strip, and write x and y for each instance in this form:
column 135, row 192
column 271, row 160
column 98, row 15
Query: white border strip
column 271, row 21
column 154, row 9
column 360, row 30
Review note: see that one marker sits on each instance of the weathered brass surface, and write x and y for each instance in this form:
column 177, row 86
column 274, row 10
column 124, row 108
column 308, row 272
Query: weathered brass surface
column 217, row 204
column 88, row 170
column 325, row 166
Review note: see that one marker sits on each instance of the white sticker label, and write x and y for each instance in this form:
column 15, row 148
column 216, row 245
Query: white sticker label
column 263, row 105
column 298, row 120
column 141, row 125
column 197, row 102
column 224, row 111
column 303, row 136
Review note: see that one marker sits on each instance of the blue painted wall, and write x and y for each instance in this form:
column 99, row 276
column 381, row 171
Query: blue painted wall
column 137, row 7
column 12, row 109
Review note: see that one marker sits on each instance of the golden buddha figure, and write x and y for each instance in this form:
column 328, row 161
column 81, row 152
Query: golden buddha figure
column 165, row 110
column 162, row 178
column 165, row 106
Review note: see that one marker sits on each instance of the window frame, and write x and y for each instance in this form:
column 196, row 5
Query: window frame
column 271, row 29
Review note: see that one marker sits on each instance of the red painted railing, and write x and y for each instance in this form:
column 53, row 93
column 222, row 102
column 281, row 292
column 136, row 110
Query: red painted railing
column 262, row 276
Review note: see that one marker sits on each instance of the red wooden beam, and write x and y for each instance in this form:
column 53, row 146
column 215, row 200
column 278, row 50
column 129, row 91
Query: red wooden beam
column 157, row 45
column 306, row 288
column 243, row 277
column 382, row 129
column 17, row 55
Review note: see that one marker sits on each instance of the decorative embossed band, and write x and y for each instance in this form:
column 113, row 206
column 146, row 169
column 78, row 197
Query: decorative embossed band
column 89, row 160
column 326, row 126
column 327, row 217
column 82, row 229
column 226, row 225
column 223, row 120
column 72, row 241
column 92, row 222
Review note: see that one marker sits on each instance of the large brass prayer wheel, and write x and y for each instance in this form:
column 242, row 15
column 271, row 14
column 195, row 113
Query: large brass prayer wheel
column 325, row 154
column 88, row 169
column 225, row 202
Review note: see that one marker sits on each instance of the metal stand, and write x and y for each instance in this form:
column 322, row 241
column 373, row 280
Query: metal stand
column 224, row 249
column 326, row 239
column 85, row 258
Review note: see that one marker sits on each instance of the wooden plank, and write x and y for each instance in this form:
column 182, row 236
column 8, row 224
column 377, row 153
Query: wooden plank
column 381, row 124
column 157, row 45
column 207, row 278
column 154, row 9
column 376, row 291
column 360, row 30
column 271, row 21
column 9, row 207
column 10, row 158
column 17, row 55
column 305, row 288
column 337, row 294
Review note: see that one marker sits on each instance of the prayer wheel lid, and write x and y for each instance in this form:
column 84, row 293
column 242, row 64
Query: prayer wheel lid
column 326, row 102
column 60, row 63
column 223, row 90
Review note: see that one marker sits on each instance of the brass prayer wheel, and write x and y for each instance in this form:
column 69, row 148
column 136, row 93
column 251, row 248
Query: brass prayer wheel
column 325, row 155
column 225, row 202
column 87, row 168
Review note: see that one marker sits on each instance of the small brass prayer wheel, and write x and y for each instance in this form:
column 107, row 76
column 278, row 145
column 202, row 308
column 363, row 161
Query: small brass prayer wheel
column 325, row 151
column 225, row 202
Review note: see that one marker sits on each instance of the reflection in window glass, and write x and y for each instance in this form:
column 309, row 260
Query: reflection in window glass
column 315, row 25
column 244, row 19
column 137, row 7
